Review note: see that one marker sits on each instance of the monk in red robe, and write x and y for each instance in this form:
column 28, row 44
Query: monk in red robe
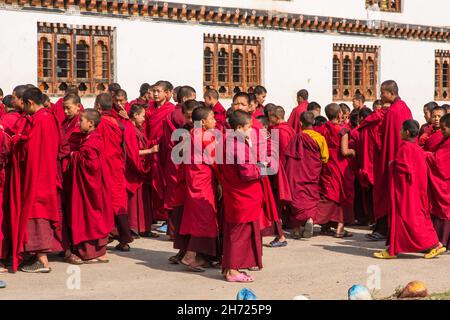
column 410, row 227
column 121, row 101
column 111, row 129
column 145, row 96
column 71, row 124
column 294, row 118
column 199, row 224
column 439, row 184
column 397, row 113
column 9, row 119
column 260, row 93
column 211, row 98
column 427, row 115
column 304, row 157
column 432, row 136
column 58, row 108
column 4, row 225
column 172, row 122
column 159, row 110
column 90, row 214
column 33, row 197
column 243, row 201
column 333, row 193
column 137, row 174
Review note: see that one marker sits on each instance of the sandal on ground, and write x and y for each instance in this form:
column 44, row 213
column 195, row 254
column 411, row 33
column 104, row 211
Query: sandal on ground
column 175, row 259
column 123, row 247
column 149, row 234
column 375, row 236
column 344, row 234
column 295, row 235
column 192, row 268
column 277, row 243
column 308, row 231
column 73, row 259
column 327, row 232
column 96, row 260
column 435, row 252
column 241, row 277
column 383, row 255
column 37, row 267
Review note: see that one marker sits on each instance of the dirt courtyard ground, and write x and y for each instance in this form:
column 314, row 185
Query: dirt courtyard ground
column 319, row 268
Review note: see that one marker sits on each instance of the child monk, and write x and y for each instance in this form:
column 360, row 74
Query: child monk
column 345, row 114
column 145, row 96
column 33, row 196
column 305, row 155
column 111, row 129
column 159, row 110
column 439, row 184
column 120, row 101
column 9, row 118
column 358, row 101
column 137, row 174
column 211, row 98
column 71, row 124
column 260, row 93
column 427, row 108
column 90, row 216
column 294, row 118
column 411, row 228
column 58, row 108
column 253, row 105
column 4, row 225
column 333, row 196
column 243, row 203
column 315, row 108
column 432, row 136
column 199, row 220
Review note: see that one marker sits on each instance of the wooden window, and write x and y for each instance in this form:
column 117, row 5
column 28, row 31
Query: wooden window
column 231, row 64
column 442, row 75
column 74, row 55
column 354, row 71
column 385, row 5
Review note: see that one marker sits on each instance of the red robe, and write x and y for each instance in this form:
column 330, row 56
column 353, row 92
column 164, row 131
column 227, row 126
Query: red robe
column 90, row 215
column 411, row 228
column 397, row 113
column 199, row 217
column 33, row 178
column 220, row 114
column 259, row 111
column 58, row 110
column 8, row 122
column 112, row 132
column 433, row 141
column 2, row 109
column 439, row 180
column 154, row 132
column 4, row 224
column 294, row 118
column 303, row 168
column 71, row 130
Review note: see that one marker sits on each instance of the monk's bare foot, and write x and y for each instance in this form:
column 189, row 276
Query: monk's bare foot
column 103, row 258
column 42, row 258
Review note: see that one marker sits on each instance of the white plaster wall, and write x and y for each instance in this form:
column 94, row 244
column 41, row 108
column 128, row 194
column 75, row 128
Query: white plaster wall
column 149, row 51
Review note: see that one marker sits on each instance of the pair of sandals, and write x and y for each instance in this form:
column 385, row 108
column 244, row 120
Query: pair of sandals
column 241, row 277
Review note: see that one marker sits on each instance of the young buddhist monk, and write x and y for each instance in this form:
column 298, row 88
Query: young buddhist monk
column 243, row 201
column 432, row 136
column 302, row 106
column 33, row 196
column 4, row 223
column 9, row 118
column 397, row 113
column 315, row 108
column 90, row 216
column 358, row 101
column 333, row 195
column 304, row 156
column 71, row 127
column 427, row 108
column 58, row 108
column 159, row 110
column 137, row 174
column 112, row 88
column 199, row 223
column 320, row 121
column 111, row 129
column 211, row 98
column 411, row 228
column 145, row 96
column 377, row 105
column 279, row 181
column 345, row 114
column 261, row 94
column 253, row 105
column 439, row 184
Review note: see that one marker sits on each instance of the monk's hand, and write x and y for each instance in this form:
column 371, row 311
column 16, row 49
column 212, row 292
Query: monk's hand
column 219, row 192
column 123, row 114
column 154, row 149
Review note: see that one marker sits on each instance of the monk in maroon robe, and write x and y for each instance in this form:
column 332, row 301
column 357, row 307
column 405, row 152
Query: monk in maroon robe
column 33, row 197
column 154, row 119
column 432, row 136
column 199, row 223
column 427, row 115
column 211, row 98
column 111, row 129
column 174, row 121
column 303, row 163
column 243, row 201
column 294, row 118
column 90, row 214
column 397, row 113
column 137, row 174
column 410, row 227
column 58, row 108
column 145, row 96
column 4, row 223
column 333, row 186
column 9, row 118
column 439, row 184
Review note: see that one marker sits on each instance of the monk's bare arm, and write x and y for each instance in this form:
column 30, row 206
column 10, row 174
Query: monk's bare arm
column 345, row 150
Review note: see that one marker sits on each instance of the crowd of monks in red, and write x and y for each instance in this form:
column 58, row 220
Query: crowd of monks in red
column 73, row 180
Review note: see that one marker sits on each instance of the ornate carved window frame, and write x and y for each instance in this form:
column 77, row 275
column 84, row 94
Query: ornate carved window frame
column 442, row 75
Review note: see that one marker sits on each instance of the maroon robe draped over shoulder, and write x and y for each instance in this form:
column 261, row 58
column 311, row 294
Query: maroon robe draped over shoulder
column 8, row 121
column 434, row 140
column 58, row 110
column 220, row 114
column 4, row 221
column 294, row 118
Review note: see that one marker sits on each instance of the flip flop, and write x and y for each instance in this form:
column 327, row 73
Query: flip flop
column 73, row 259
column 277, row 244
column 344, row 234
column 375, row 236
column 192, row 268
column 94, row 261
column 241, row 277
column 125, row 248
column 175, row 259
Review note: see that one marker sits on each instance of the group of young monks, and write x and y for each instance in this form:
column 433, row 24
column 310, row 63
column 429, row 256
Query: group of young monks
column 73, row 180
